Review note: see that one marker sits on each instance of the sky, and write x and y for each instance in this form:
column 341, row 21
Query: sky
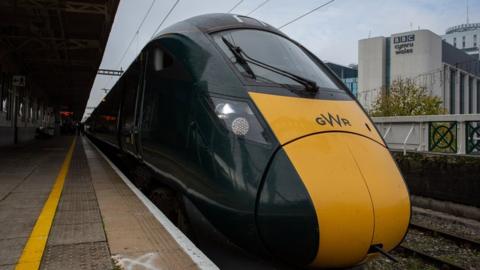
column 331, row 33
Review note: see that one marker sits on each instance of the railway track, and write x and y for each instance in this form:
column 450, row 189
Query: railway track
column 462, row 241
column 432, row 260
column 436, row 261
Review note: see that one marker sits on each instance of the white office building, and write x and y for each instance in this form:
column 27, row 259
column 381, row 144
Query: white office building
column 421, row 55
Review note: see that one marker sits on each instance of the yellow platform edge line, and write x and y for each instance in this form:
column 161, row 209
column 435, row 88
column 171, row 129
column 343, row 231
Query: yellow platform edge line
column 35, row 246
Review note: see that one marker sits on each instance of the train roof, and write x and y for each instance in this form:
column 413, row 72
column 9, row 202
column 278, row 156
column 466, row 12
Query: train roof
column 214, row 22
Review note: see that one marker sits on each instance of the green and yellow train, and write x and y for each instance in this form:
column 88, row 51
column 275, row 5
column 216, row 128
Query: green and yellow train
column 261, row 138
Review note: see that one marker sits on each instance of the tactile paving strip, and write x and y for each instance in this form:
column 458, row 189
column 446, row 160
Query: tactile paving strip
column 77, row 205
column 76, row 233
column 85, row 256
column 77, row 239
column 73, row 189
column 77, row 217
column 79, row 196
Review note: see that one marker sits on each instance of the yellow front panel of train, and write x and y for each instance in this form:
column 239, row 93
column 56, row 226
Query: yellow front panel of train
column 359, row 196
column 339, row 195
column 388, row 191
column 292, row 117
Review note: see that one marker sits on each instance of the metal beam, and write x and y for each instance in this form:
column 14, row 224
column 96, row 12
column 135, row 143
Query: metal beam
column 69, row 44
column 68, row 6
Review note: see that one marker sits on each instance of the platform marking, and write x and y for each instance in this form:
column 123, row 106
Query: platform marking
column 33, row 250
column 197, row 256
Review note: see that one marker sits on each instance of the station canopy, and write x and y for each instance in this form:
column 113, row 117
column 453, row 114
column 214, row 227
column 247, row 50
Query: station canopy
column 58, row 44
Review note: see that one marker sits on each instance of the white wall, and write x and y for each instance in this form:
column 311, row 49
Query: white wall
column 423, row 64
column 371, row 69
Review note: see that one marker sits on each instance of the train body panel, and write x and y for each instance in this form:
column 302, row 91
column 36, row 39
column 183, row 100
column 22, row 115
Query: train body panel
column 297, row 175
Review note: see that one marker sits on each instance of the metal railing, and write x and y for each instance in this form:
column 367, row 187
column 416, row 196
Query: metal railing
column 455, row 134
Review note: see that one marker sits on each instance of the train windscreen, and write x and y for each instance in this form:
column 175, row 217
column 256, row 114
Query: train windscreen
column 248, row 49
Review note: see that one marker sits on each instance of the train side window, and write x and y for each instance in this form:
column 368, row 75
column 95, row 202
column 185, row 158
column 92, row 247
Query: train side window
column 161, row 60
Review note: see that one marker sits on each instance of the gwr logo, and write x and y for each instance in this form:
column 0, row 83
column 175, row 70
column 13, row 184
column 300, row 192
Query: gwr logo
column 332, row 120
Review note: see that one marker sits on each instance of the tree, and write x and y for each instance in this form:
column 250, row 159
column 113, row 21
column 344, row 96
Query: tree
column 405, row 97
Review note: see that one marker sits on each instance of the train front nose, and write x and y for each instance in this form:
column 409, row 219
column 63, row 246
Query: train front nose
column 327, row 198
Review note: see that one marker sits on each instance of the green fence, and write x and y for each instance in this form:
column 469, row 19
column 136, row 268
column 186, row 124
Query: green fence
column 449, row 133
column 472, row 132
column 442, row 137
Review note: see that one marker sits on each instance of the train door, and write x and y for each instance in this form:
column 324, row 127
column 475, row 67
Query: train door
column 165, row 109
column 132, row 84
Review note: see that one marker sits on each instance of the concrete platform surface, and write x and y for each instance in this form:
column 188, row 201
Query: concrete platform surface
column 100, row 221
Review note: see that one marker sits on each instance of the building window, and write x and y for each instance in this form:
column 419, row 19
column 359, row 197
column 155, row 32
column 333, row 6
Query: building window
column 463, row 42
column 462, row 93
column 387, row 64
column 455, row 42
column 474, row 40
column 478, row 95
column 452, row 91
column 470, row 95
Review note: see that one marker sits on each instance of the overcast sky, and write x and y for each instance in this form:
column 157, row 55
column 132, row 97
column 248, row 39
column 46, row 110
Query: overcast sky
column 332, row 32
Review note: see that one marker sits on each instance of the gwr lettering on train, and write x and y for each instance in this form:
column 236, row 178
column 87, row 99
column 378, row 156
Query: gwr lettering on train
column 332, row 120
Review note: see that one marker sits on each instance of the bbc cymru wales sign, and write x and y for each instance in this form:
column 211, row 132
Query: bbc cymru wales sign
column 404, row 44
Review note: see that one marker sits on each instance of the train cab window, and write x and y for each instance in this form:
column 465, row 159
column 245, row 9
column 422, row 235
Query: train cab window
column 275, row 51
column 161, row 60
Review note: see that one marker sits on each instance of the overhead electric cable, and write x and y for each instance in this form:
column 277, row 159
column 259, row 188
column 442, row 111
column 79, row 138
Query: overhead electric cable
column 258, row 7
column 305, row 14
column 165, row 18
column 236, row 5
column 130, row 43
column 136, row 32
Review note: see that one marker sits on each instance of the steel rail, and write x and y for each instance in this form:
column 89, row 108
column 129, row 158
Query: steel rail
column 429, row 259
column 463, row 241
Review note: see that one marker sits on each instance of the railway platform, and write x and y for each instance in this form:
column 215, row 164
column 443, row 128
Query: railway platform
column 63, row 205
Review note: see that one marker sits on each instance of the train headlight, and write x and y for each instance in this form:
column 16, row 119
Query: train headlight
column 239, row 118
column 240, row 126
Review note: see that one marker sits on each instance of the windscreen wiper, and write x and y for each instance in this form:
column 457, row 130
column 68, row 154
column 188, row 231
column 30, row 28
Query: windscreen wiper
column 238, row 55
column 310, row 86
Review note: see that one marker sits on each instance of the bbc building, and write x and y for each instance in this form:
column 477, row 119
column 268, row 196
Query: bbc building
column 423, row 56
